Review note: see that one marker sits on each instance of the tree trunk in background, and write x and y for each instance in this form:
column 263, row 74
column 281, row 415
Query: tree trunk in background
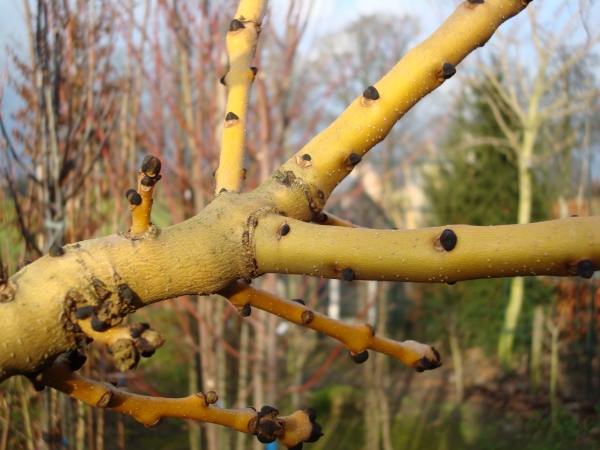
column 89, row 426
column 333, row 306
column 242, row 385
column 371, row 381
column 258, row 366
column 382, row 375
column 24, row 397
column 517, row 284
column 537, row 341
column 554, row 333
column 208, row 363
column 221, row 369
column 456, row 359
column 7, row 403
column 80, row 428
column 99, row 429
column 195, row 433
column 120, row 432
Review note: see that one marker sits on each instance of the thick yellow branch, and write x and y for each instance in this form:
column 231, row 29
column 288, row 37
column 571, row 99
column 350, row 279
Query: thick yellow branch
column 241, row 42
column 331, row 155
column 432, row 255
column 358, row 338
column 266, row 424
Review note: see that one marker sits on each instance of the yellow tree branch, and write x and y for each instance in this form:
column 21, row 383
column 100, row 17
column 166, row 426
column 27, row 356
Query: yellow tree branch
column 357, row 338
column 241, row 42
column 140, row 201
column 564, row 247
column 266, row 425
column 331, row 155
column 241, row 236
column 325, row 218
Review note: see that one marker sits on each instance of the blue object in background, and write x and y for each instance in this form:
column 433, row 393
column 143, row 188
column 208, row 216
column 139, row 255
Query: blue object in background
column 271, row 446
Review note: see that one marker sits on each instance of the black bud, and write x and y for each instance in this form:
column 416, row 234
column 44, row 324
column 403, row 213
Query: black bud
column 284, row 229
column 306, row 157
column 448, row 239
column 371, row 93
column 126, row 292
column 151, row 166
column 478, row 2
column 267, row 411
column 296, row 447
column 360, row 357
column 222, row 190
column 448, row 71
column 55, row 251
column 245, row 310
column 84, row 311
column 76, row 360
column 222, row 80
column 299, row 300
column 352, row 160
column 147, row 353
column 263, row 439
column 136, row 329
column 231, row 116
column 311, row 413
column 254, row 70
column 236, row 25
column 98, row 325
column 324, row 218
column 451, row 283
column 148, row 181
column 348, row 274
column 585, row 268
column 133, row 197
column 315, row 433
column 423, row 365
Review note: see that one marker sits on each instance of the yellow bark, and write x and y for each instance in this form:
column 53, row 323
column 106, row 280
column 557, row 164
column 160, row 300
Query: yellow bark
column 245, row 235
column 546, row 248
column 241, row 42
column 295, row 428
column 357, row 338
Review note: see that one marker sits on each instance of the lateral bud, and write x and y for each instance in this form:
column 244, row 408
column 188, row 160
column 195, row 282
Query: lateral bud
column 448, row 70
column 231, row 119
column 352, row 160
column 236, row 25
column 369, row 96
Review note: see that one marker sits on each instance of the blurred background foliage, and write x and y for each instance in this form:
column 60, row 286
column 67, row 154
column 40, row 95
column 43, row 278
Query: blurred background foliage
column 100, row 84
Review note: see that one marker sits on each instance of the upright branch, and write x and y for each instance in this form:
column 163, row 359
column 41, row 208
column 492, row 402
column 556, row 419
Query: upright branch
column 241, row 42
column 140, row 201
column 331, row 155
